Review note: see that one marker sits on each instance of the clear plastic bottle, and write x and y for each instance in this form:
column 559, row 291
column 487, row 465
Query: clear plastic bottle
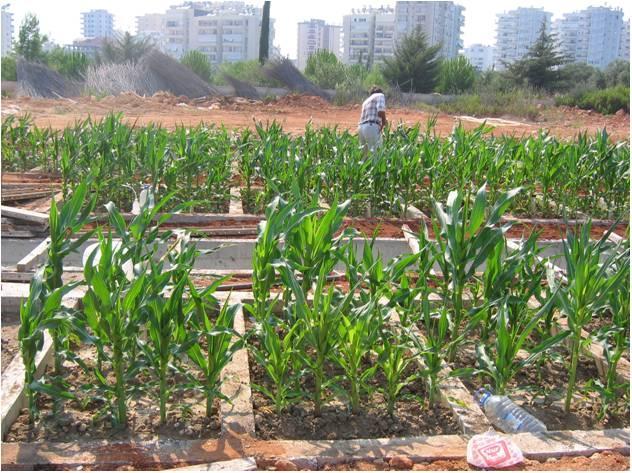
column 506, row 415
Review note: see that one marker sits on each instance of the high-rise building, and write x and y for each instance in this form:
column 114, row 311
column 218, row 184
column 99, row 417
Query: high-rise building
column 368, row 35
column 516, row 31
column 152, row 25
column 97, row 24
column 480, row 56
column 314, row 35
column 591, row 36
column 224, row 31
column 440, row 21
column 624, row 43
column 7, row 31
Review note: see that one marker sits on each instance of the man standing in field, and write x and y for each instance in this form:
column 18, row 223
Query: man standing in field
column 372, row 120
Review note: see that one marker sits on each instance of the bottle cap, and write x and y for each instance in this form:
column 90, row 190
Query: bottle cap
column 483, row 394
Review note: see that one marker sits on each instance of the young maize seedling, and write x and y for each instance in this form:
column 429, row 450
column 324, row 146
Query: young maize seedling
column 466, row 237
column 393, row 361
column 591, row 282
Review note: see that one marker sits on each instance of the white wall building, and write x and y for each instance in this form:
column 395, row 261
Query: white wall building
column 7, row 31
column 152, row 25
column 480, row 56
column 224, row 31
column 368, row 35
column 314, row 35
column 97, row 24
column 591, row 36
column 516, row 31
column 624, row 43
column 440, row 21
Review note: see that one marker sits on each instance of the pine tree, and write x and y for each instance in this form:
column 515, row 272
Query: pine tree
column 30, row 44
column 415, row 65
column 540, row 67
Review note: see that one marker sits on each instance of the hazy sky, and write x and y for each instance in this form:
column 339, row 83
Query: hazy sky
column 61, row 19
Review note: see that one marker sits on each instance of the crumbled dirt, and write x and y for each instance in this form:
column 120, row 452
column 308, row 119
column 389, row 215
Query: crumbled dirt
column 10, row 344
column 293, row 113
column 541, row 390
column 336, row 422
column 605, row 461
column 186, row 415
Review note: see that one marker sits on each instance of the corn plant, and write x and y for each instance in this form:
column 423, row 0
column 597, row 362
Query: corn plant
column 39, row 312
column 64, row 224
column 112, row 305
column 220, row 343
column 393, row 360
column 466, row 236
column 358, row 333
column 591, row 282
column 277, row 355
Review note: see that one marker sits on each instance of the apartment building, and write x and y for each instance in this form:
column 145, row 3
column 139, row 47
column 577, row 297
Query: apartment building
column 7, row 31
column 440, row 21
column 97, row 24
column 591, row 36
column 223, row 31
column 516, row 31
column 152, row 25
column 314, row 35
column 624, row 43
column 369, row 35
column 480, row 56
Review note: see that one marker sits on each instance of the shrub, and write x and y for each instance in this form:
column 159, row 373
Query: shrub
column 8, row 68
column 324, row 69
column 248, row 71
column 198, row 63
column 456, row 76
column 606, row 101
column 517, row 102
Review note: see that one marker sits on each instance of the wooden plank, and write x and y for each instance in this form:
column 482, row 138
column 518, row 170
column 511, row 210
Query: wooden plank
column 236, row 205
column 24, row 215
column 35, row 257
column 237, row 416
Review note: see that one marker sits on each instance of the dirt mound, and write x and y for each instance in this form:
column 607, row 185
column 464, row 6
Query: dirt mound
column 302, row 101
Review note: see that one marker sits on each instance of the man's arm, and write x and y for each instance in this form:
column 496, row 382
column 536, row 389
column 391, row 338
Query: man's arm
column 382, row 115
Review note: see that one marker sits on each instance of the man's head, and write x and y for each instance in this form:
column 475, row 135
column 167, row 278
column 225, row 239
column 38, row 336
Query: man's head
column 375, row 90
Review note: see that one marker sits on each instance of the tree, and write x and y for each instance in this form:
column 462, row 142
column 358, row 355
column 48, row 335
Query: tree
column 415, row 65
column 8, row 68
column 128, row 48
column 264, row 39
column 71, row 64
column 541, row 66
column 324, row 69
column 30, row 42
column 617, row 73
column 456, row 76
column 198, row 63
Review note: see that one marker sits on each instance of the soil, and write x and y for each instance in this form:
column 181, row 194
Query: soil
column 386, row 227
column 605, row 461
column 10, row 344
column 541, row 389
column 292, row 112
column 186, row 418
column 337, row 422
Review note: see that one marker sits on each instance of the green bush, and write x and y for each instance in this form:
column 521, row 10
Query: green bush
column 198, row 63
column 456, row 76
column 70, row 64
column 606, row 101
column 248, row 71
column 517, row 103
column 8, row 67
column 324, row 69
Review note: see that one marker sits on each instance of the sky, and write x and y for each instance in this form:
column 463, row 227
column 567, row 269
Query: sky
column 60, row 19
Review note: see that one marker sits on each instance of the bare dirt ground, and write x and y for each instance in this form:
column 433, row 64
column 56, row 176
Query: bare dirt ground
column 293, row 112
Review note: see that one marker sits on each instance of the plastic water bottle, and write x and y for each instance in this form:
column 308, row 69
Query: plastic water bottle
column 506, row 415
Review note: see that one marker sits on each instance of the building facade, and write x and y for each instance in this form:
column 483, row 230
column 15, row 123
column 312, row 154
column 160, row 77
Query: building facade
column 368, row 35
column 480, row 56
column 440, row 21
column 223, row 31
column 97, row 24
column 624, row 43
column 591, row 36
column 516, row 31
column 314, row 35
column 7, row 31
